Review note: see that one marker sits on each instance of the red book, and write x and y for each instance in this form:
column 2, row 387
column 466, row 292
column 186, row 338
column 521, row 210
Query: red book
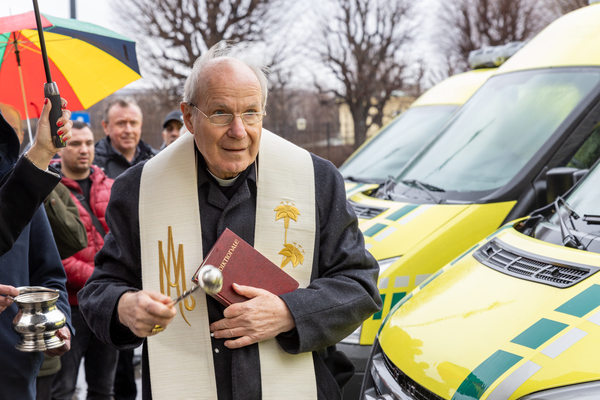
column 242, row 264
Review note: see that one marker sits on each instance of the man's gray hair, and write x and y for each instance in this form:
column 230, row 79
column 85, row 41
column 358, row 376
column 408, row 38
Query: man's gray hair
column 121, row 102
column 224, row 49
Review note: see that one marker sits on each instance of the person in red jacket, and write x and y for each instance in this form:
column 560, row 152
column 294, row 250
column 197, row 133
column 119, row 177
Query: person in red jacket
column 90, row 188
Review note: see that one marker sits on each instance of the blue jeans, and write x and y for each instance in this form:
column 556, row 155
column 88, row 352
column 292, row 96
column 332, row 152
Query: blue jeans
column 100, row 364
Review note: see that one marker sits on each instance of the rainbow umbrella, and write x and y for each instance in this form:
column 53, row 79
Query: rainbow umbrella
column 87, row 62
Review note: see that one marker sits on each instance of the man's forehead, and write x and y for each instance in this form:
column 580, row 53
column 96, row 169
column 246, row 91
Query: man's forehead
column 128, row 109
column 82, row 134
column 228, row 72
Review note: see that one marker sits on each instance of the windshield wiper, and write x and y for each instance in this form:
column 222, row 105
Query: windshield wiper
column 568, row 239
column 427, row 188
column 359, row 180
column 387, row 188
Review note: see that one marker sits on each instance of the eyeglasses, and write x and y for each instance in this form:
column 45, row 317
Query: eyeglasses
column 249, row 118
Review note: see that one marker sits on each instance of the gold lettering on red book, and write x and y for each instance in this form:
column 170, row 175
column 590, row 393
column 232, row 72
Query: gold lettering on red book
column 229, row 254
column 178, row 271
column 291, row 252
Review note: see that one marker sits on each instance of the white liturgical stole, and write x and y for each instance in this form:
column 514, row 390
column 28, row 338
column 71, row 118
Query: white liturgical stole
column 181, row 357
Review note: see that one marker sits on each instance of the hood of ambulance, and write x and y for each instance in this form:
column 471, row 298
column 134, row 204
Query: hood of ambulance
column 475, row 333
column 397, row 229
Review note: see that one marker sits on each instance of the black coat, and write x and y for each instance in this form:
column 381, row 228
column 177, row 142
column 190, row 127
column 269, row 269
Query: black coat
column 23, row 188
column 113, row 163
column 29, row 258
column 342, row 293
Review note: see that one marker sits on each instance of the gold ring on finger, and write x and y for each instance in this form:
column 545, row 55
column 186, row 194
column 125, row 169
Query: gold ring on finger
column 157, row 329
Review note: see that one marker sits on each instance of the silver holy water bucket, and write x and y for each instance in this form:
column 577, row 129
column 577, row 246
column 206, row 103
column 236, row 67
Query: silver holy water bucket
column 38, row 319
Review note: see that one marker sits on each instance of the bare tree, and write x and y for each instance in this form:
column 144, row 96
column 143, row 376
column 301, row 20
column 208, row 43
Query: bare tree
column 361, row 44
column 174, row 33
column 467, row 25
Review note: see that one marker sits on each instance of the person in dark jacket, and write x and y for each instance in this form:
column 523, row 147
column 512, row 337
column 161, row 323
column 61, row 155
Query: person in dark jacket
column 90, row 190
column 26, row 182
column 122, row 147
column 32, row 258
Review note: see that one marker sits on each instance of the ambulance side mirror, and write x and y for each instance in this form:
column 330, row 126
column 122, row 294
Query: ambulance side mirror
column 559, row 180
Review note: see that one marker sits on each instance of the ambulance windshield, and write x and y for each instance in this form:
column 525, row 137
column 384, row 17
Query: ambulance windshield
column 391, row 149
column 500, row 129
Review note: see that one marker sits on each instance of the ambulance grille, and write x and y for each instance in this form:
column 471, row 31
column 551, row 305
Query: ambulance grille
column 366, row 212
column 412, row 388
column 518, row 263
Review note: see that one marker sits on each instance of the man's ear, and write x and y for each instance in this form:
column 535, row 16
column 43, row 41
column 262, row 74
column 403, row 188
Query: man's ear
column 105, row 127
column 187, row 117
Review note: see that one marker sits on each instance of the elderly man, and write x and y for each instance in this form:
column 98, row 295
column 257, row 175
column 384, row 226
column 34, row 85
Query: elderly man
column 122, row 147
column 166, row 215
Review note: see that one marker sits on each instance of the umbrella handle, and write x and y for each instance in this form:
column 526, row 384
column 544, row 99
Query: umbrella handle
column 51, row 93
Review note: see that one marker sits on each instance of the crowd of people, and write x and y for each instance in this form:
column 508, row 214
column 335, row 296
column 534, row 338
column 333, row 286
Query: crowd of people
column 107, row 205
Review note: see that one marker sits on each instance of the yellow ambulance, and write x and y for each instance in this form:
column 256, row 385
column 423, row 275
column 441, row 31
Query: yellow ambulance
column 488, row 165
column 386, row 153
column 517, row 317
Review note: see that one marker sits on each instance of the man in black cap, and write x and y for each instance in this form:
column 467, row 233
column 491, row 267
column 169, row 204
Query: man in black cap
column 171, row 127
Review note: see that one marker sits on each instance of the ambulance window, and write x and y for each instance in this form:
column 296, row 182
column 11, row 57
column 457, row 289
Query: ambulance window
column 388, row 152
column 495, row 134
column 588, row 153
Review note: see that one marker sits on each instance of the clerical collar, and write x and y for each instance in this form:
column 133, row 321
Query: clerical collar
column 224, row 182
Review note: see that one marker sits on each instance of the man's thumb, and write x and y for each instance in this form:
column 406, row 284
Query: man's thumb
column 246, row 291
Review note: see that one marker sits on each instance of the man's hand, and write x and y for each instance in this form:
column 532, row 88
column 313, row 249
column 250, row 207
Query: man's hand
column 42, row 150
column 65, row 334
column 7, row 293
column 262, row 317
column 142, row 311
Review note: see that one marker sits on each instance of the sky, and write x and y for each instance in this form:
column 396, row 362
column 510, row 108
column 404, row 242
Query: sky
column 96, row 12
column 99, row 12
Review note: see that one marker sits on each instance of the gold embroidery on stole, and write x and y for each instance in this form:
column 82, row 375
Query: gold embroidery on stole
column 178, row 269
column 291, row 252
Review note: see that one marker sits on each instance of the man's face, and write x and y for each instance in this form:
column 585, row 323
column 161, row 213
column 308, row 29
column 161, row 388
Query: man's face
column 78, row 155
column 124, row 127
column 228, row 87
column 171, row 132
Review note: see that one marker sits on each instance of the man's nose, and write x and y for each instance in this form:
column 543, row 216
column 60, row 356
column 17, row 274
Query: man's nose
column 237, row 128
